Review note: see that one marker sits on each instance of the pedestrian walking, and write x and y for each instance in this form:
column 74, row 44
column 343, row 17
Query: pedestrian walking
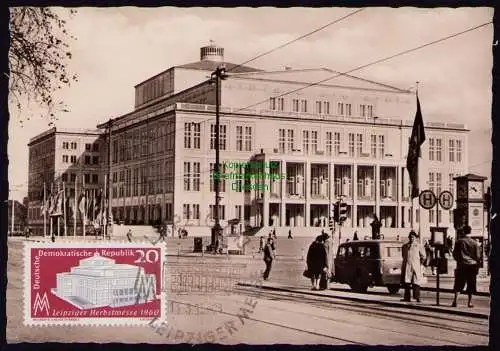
column 290, row 234
column 129, row 235
column 316, row 262
column 274, row 233
column 269, row 256
column 376, row 224
column 355, row 237
column 328, row 245
column 261, row 244
column 467, row 253
column 411, row 270
column 429, row 255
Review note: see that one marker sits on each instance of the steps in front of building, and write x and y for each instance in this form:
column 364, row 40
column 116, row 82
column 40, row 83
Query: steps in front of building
column 346, row 232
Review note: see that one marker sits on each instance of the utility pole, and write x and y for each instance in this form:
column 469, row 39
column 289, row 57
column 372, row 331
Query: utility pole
column 107, row 191
column 217, row 76
column 12, row 220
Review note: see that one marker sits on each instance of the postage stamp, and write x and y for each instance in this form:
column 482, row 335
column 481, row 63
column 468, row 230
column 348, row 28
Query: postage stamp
column 93, row 283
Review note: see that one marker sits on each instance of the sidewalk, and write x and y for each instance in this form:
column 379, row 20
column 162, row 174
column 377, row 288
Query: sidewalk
column 385, row 300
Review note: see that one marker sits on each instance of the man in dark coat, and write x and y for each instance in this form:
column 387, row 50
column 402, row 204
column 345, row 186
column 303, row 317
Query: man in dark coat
column 468, row 256
column 316, row 261
column 376, row 224
column 268, row 257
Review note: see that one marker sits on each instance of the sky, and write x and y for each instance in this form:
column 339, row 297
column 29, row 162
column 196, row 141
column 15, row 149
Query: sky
column 116, row 48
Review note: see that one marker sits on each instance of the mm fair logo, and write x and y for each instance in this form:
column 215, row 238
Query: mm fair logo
column 41, row 303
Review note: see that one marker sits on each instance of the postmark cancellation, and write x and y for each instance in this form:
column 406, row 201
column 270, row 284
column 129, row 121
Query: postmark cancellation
column 93, row 284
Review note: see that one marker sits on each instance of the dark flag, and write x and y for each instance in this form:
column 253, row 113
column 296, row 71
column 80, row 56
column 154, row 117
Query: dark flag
column 414, row 152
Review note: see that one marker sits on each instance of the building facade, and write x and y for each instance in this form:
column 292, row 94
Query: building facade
column 74, row 158
column 346, row 136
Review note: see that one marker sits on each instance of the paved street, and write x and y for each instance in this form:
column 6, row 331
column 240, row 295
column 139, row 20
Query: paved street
column 284, row 310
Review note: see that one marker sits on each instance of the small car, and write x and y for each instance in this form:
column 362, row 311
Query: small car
column 368, row 263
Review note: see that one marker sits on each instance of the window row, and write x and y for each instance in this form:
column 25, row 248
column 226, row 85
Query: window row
column 88, row 178
column 192, row 211
column 436, row 150
column 155, row 179
column 358, row 144
column 321, row 107
column 144, row 141
column 192, row 137
column 66, row 145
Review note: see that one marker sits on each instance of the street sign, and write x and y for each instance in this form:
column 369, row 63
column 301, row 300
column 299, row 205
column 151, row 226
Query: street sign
column 446, row 200
column 427, row 199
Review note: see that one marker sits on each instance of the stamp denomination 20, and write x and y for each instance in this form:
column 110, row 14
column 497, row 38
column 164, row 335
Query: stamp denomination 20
column 93, row 284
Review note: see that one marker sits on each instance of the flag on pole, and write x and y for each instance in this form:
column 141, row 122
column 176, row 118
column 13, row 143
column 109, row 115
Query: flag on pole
column 414, row 151
column 57, row 208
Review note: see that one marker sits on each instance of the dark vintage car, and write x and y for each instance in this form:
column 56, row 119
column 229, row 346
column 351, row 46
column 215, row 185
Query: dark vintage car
column 368, row 263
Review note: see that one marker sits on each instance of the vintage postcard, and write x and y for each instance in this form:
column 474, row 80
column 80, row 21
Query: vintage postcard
column 250, row 175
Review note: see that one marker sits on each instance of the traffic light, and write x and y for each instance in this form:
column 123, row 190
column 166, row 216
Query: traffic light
column 342, row 211
column 335, row 212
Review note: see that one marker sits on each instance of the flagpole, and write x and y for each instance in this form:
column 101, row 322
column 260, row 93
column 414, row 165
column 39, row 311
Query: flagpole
column 64, row 210
column 84, row 217
column 58, row 216
column 44, row 210
column 418, row 175
column 50, row 217
column 75, row 206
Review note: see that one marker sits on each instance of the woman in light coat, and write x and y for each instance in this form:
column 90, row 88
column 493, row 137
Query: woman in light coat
column 411, row 271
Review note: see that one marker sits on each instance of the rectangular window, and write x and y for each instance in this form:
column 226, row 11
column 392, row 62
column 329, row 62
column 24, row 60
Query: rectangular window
column 295, row 105
column 248, row 138
column 314, row 141
column 432, row 183
column 281, row 141
column 65, row 145
column 381, row 146
column 305, row 141
column 451, row 183
column 65, row 158
column 187, row 176
column 95, row 178
column 196, row 176
column 222, row 214
column 72, row 177
column 95, row 160
column 187, row 135
column 272, row 104
column 336, row 143
column 373, row 145
column 303, row 105
column 64, row 177
column 88, row 147
column 86, row 178
column 362, row 110
column 239, row 138
column 329, row 144
column 432, row 149
column 87, row 160
column 326, row 107
column 438, row 184
column 222, row 181
column 439, row 150
column 196, row 211
column 451, row 148
column 351, row 144
column 458, row 151
column 73, row 159
column 290, row 140
column 95, row 147
column 222, row 137
column 370, row 111
column 340, row 109
column 348, row 110
column 318, row 107
column 186, row 211
column 73, row 146
column 196, row 135
column 281, row 104
column 359, row 144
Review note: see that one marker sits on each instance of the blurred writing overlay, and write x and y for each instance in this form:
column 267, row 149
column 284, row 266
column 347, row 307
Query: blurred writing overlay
column 202, row 278
column 177, row 308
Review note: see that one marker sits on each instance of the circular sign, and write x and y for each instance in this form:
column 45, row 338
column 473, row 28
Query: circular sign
column 475, row 212
column 427, row 199
column 446, row 200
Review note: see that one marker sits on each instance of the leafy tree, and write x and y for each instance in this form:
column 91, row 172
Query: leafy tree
column 38, row 57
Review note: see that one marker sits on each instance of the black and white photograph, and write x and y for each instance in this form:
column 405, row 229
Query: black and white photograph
column 312, row 176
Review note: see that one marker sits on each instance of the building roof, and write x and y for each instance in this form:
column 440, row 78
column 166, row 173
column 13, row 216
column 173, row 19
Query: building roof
column 207, row 65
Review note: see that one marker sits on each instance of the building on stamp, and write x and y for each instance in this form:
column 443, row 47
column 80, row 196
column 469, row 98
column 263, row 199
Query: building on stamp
column 98, row 281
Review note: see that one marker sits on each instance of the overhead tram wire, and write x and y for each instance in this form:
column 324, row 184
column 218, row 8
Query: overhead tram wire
column 350, row 71
column 353, row 70
column 297, row 39
column 373, row 63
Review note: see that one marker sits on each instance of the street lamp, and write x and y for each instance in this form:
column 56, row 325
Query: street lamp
column 216, row 77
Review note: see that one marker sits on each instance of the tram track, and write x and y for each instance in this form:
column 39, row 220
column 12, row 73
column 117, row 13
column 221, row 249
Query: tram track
column 468, row 326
